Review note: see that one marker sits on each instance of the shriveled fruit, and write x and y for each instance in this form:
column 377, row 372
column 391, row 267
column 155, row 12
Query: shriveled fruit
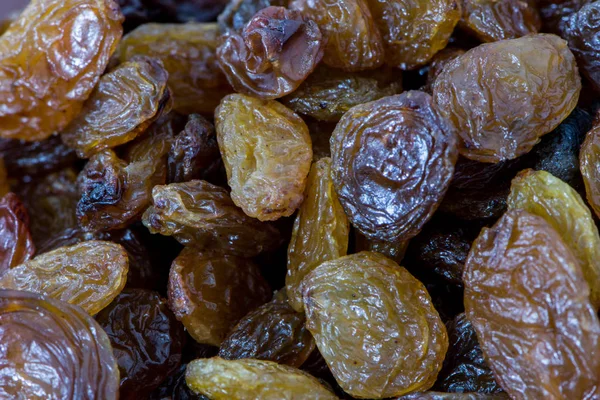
column 502, row 97
column 274, row 332
column 589, row 162
column 392, row 250
column 252, row 379
column 35, row 158
column 146, row 338
column 123, row 105
column 210, row 293
column 51, row 58
column 53, row 350
column 320, row 231
column 465, row 369
column 239, row 12
column 194, row 153
column 581, row 30
column 188, row 53
column 542, row 194
column 392, row 162
column 413, row 31
column 16, row 244
column 267, row 152
column 528, row 301
column 114, row 191
column 202, row 215
column 555, row 13
column 354, row 43
column 328, row 93
column 492, row 20
column 89, row 274
column 366, row 298
column 438, row 62
column 274, row 53
column 50, row 201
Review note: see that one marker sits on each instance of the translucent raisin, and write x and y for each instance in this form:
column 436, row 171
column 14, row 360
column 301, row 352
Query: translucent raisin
column 238, row 13
column 16, row 244
column 392, row 162
column 256, row 138
column 590, row 166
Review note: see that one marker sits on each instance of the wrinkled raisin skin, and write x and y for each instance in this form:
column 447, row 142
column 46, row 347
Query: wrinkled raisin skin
column 146, row 338
column 392, row 161
column 16, row 244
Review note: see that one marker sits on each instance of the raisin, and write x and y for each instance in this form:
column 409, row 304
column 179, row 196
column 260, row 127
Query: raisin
column 320, row 231
column 146, row 338
column 274, row 53
column 363, row 298
column 51, row 201
column 413, row 31
column 16, row 244
column 555, row 13
column 328, row 93
column 189, row 54
column 580, row 30
column 239, row 12
column 115, row 192
column 590, row 167
column 47, row 73
column 491, row 89
column 202, row 215
column 492, row 20
column 274, row 332
column 35, row 158
column 210, row 293
column 257, row 138
column 542, row 194
column 393, row 250
column 123, row 105
column 89, row 274
column 53, row 350
column 438, row 62
column 252, row 379
column 538, row 345
column 465, row 369
column 392, row 162
column 354, row 43
column 194, row 153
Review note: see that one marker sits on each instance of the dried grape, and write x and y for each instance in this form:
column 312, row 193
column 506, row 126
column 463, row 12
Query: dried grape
column 16, row 244
column 35, row 158
column 267, row 152
column 53, row 350
column 51, row 58
column 498, row 109
column 366, row 298
column 239, row 12
column 123, row 105
column 90, row 274
column 392, row 162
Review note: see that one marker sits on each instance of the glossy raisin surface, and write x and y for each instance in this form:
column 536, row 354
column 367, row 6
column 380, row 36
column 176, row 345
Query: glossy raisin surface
column 392, row 162
column 392, row 308
column 188, row 53
column 89, row 274
column 537, row 345
column 123, row 105
column 590, row 168
column 211, row 293
column 354, row 42
column 53, row 350
column 497, row 94
column 252, row 379
column 413, row 31
column 328, row 93
column 146, row 338
column 273, row 54
column 239, row 12
column 256, row 138
column 273, row 332
column 203, row 215
column 438, row 62
column 51, row 58
column 320, row 231
column 16, row 244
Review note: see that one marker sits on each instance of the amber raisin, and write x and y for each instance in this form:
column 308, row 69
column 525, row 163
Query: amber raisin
column 590, row 166
column 366, row 298
column 210, row 293
column 239, row 12
column 438, row 62
column 16, row 244
column 267, row 153
column 527, row 299
column 392, row 162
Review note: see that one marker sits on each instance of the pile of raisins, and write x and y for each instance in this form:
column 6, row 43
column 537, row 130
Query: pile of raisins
column 212, row 199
